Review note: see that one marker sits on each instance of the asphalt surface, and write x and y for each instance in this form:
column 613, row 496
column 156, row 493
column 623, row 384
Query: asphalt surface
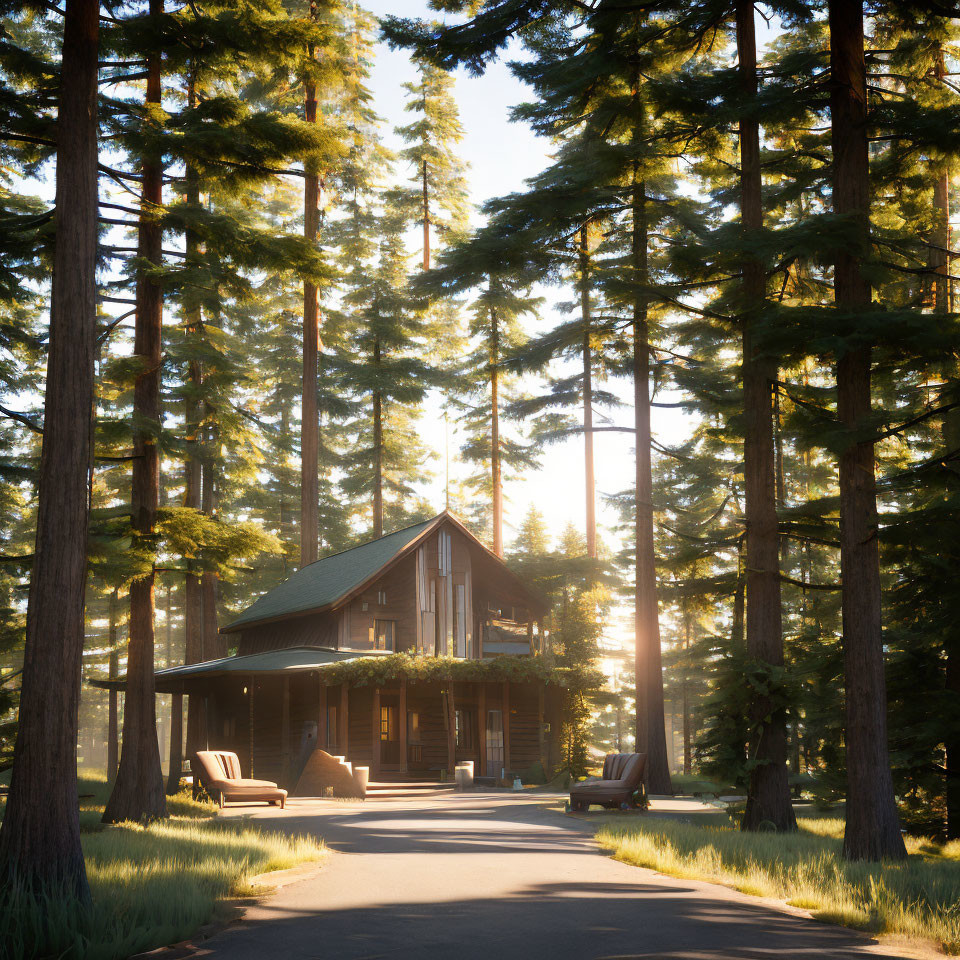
column 499, row 877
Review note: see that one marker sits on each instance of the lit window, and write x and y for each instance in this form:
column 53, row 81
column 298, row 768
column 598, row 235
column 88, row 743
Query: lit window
column 445, row 553
column 387, row 732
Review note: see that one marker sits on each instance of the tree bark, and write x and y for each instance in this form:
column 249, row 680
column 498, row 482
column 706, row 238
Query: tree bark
column 588, row 467
column 310, row 431
column 768, row 793
column 175, row 753
column 426, row 219
column 939, row 258
column 496, row 474
column 953, row 750
column 684, row 692
column 651, row 735
column 192, row 597
column 377, row 450
column 113, row 671
column 214, row 644
column 138, row 791
column 40, row 832
column 943, row 303
column 872, row 829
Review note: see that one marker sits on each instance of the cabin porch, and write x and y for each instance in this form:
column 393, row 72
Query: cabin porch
column 402, row 730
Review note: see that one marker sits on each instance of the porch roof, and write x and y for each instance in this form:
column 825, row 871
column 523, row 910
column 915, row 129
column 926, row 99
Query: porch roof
column 288, row 660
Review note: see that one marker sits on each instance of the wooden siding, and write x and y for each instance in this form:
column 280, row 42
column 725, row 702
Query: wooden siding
column 360, row 752
column 524, row 726
column 315, row 630
column 399, row 585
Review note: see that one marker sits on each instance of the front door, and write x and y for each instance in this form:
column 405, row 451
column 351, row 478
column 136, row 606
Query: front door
column 389, row 735
column 494, row 733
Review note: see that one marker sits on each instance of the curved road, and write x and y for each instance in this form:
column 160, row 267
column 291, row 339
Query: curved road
column 498, row 877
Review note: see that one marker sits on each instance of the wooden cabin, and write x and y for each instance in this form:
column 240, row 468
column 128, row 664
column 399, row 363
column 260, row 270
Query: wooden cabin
column 306, row 670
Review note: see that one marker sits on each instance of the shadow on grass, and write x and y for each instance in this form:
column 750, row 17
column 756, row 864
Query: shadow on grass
column 915, row 898
column 150, row 884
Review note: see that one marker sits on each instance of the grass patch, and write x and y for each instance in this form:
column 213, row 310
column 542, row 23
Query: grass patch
column 150, row 885
column 917, row 898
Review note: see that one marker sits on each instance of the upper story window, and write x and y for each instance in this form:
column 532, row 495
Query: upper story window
column 382, row 598
column 445, row 553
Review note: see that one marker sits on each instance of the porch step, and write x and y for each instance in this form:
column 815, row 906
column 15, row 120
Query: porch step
column 384, row 789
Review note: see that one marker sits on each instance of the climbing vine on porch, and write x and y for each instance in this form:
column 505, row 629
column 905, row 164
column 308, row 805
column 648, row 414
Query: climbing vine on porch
column 378, row 671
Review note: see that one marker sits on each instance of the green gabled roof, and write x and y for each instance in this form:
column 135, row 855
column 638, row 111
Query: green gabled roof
column 321, row 584
column 272, row 661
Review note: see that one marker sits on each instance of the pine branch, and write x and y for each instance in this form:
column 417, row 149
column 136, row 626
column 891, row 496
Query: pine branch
column 24, row 138
column 123, row 77
column 21, row 418
column 120, row 206
column 810, row 586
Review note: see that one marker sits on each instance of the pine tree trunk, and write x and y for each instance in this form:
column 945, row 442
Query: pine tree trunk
column 192, row 597
column 175, row 754
column 943, row 303
column 138, row 791
column 377, row 464
column 588, row 466
column 939, row 258
column 283, row 518
column 684, row 684
column 310, row 434
column 953, row 749
column 377, row 449
column 496, row 475
column 113, row 671
column 651, row 728
column 426, row 219
column 193, row 651
column 768, row 793
column 872, row 829
column 214, row 644
column 40, row 832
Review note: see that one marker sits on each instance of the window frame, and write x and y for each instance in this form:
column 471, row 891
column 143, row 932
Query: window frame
column 393, row 634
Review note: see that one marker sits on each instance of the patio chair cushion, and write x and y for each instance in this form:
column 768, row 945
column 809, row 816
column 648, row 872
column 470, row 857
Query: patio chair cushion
column 221, row 774
column 622, row 775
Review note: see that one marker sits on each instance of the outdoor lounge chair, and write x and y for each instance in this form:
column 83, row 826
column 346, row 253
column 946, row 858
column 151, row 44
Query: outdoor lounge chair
column 220, row 776
column 622, row 777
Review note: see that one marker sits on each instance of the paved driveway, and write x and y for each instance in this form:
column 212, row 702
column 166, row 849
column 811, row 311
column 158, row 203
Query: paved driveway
column 498, row 877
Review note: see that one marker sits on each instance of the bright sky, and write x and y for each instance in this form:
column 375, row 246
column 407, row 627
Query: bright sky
column 502, row 155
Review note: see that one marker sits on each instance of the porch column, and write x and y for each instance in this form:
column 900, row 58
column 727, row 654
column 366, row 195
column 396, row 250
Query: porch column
column 530, row 636
column 285, row 730
column 375, row 739
column 403, row 725
column 344, row 718
column 506, row 726
column 541, row 739
column 482, row 727
column 322, row 716
column 250, row 706
column 451, row 731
